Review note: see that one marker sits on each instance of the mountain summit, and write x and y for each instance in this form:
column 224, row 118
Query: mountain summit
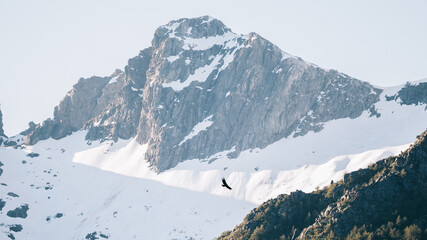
column 201, row 89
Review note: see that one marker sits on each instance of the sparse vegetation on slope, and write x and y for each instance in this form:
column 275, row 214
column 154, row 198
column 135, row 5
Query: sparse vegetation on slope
column 385, row 201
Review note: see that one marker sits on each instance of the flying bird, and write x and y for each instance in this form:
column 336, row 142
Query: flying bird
column 224, row 184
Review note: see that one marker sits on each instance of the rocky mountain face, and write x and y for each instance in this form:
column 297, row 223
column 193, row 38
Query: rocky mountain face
column 411, row 94
column 1, row 125
column 105, row 106
column 201, row 89
column 2, row 135
column 385, row 201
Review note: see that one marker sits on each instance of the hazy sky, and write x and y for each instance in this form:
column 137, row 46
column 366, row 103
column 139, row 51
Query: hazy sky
column 46, row 46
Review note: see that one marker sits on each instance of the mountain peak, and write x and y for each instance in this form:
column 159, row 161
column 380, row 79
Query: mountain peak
column 201, row 89
column 200, row 27
column 190, row 29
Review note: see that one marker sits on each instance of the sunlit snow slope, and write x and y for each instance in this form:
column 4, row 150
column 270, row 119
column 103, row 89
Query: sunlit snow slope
column 68, row 200
column 303, row 163
column 70, row 196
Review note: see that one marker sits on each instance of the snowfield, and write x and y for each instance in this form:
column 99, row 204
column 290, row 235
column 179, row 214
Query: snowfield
column 91, row 200
column 75, row 188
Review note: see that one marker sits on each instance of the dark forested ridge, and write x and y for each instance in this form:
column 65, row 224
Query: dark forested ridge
column 385, row 201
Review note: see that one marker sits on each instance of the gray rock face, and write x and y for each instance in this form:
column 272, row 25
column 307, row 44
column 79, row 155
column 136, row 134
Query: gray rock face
column 108, row 107
column 31, row 127
column 1, row 126
column 242, row 91
column 2, row 204
column 75, row 109
column 378, row 202
column 15, row 228
column 19, row 212
column 411, row 94
column 120, row 117
column 3, row 137
column 202, row 89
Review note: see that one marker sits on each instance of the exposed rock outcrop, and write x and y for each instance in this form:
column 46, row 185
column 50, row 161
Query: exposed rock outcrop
column 411, row 94
column 3, row 137
column 1, row 126
column 384, row 201
column 19, row 212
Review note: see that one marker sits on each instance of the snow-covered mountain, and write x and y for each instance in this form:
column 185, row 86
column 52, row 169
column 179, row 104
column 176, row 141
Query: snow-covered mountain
column 140, row 154
column 201, row 89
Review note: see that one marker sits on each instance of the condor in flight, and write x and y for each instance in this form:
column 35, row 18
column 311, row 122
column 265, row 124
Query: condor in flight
column 224, row 184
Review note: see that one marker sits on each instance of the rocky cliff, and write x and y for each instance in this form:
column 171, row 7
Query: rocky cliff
column 2, row 135
column 385, row 201
column 108, row 107
column 202, row 89
column 1, row 125
column 411, row 94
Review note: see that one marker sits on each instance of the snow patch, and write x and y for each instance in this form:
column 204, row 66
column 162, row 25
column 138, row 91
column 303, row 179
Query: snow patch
column 171, row 27
column 119, row 206
column 228, row 59
column 201, row 44
column 201, row 126
column 286, row 56
column 172, row 59
column 114, row 79
column 200, row 74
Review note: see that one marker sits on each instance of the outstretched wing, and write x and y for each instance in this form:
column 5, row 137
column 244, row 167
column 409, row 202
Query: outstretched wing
column 224, row 184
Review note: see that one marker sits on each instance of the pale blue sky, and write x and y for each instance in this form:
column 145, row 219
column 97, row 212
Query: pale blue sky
column 46, row 46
